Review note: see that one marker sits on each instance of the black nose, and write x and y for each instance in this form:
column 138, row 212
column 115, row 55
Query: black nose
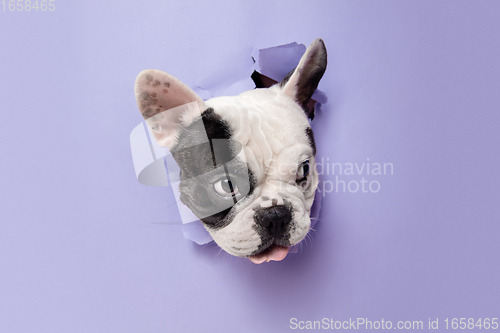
column 275, row 219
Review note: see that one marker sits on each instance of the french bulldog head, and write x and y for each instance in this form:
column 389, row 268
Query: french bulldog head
column 247, row 161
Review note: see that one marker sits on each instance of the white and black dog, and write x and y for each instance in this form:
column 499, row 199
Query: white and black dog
column 247, row 161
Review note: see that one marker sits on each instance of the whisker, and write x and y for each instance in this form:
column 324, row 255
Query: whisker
column 226, row 257
column 205, row 245
column 318, row 219
column 303, row 246
column 218, row 256
column 308, row 240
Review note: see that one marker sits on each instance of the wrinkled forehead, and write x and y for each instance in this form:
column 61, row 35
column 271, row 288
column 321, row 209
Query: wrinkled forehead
column 257, row 124
column 264, row 121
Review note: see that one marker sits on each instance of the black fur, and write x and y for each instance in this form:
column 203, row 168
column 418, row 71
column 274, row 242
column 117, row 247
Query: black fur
column 267, row 238
column 199, row 159
column 204, row 164
column 308, row 80
column 310, row 136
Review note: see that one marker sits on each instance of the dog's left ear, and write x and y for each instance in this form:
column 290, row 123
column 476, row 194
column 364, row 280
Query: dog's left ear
column 301, row 82
column 166, row 104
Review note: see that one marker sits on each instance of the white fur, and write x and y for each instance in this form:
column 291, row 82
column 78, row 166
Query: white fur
column 271, row 127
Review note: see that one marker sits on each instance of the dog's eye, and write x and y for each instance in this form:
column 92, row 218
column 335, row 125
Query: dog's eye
column 226, row 188
column 303, row 170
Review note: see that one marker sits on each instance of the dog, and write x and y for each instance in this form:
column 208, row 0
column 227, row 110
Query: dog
column 246, row 161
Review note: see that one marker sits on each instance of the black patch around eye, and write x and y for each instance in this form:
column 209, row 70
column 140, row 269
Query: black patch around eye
column 195, row 161
column 218, row 220
column 199, row 159
column 224, row 218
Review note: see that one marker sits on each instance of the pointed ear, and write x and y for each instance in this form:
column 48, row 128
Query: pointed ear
column 166, row 104
column 301, row 82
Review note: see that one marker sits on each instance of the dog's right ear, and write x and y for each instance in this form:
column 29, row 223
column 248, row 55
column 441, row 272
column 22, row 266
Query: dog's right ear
column 301, row 82
column 166, row 104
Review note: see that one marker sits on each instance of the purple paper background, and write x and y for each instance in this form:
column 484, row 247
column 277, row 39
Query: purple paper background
column 413, row 83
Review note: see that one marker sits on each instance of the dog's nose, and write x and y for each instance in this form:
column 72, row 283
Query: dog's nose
column 275, row 219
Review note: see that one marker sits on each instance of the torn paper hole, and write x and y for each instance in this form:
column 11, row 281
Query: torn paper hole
column 247, row 70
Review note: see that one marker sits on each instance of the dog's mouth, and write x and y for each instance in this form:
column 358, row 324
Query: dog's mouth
column 272, row 253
